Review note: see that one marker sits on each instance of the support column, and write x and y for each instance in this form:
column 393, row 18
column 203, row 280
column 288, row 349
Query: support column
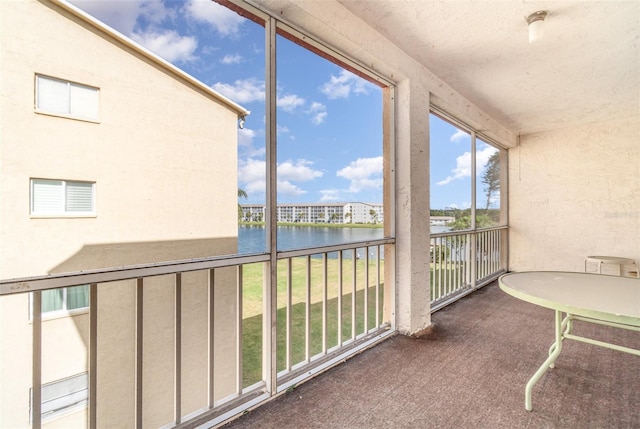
column 412, row 208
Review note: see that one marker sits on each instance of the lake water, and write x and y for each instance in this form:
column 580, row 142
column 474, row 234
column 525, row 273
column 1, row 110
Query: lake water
column 252, row 239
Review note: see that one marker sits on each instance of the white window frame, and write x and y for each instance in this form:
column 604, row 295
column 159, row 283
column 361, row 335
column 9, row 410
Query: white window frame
column 77, row 101
column 61, row 200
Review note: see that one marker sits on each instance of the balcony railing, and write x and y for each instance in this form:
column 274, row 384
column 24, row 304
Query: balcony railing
column 181, row 343
column 464, row 261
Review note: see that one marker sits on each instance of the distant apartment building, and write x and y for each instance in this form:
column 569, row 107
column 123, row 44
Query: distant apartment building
column 441, row 220
column 109, row 156
column 317, row 213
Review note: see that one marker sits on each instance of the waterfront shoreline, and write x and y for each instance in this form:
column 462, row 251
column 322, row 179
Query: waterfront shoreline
column 318, row 225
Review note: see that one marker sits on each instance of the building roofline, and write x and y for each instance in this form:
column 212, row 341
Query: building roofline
column 241, row 111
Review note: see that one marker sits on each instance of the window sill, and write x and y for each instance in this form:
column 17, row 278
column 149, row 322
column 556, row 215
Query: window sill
column 60, row 314
column 75, row 118
column 64, row 216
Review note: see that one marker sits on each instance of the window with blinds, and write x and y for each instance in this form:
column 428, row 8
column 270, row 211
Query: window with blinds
column 59, row 97
column 65, row 395
column 60, row 197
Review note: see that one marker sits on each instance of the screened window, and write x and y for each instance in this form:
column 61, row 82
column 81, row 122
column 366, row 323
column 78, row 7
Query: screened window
column 64, row 98
column 62, row 197
column 64, row 395
column 466, row 178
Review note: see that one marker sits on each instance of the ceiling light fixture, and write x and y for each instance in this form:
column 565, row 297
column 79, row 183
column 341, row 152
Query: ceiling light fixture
column 536, row 27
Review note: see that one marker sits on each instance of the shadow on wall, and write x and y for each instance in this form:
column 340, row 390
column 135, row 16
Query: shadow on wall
column 118, row 338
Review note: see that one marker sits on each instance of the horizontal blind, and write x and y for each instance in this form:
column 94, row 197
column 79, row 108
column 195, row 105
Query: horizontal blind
column 52, row 95
column 84, row 101
column 65, row 393
column 47, row 196
column 79, row 197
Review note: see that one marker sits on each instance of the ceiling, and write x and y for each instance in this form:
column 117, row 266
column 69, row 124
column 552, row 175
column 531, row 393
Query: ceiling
column 585, row 69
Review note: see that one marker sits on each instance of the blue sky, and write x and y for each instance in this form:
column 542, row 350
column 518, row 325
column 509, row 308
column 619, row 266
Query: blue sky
column 329, row 120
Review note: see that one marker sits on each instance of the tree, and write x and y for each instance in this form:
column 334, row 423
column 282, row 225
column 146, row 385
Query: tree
column 464, row 222
column 348, row 217
column 374, row 216
column 491, row 177
column 241, row 194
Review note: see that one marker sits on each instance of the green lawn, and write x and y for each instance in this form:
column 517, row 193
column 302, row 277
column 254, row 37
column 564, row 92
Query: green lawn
column 452, row 273
column 252, row 308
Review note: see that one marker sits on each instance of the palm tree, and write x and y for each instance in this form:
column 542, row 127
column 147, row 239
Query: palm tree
column 241, row 194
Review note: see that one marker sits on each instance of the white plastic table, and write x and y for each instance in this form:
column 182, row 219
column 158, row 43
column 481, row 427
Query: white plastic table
column 605, row 300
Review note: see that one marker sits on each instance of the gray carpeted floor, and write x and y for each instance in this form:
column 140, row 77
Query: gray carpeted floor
column 470, row 372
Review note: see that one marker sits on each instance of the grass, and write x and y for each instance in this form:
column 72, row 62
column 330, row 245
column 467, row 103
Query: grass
column 451, row 276
column 253, row 300
column 252, row 308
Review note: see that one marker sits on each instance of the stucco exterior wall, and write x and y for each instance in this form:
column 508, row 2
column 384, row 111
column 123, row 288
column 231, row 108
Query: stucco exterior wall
column 163, row 157
column 154, row 155
column 574, row 193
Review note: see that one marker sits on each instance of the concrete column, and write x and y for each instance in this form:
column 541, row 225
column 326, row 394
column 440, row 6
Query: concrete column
column 412, row 208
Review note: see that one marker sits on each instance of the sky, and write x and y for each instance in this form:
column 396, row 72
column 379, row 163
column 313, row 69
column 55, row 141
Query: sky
column 329, row 121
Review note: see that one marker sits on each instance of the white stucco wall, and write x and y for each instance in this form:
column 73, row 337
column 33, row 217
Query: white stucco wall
column 163, row 157
column 574, row 193
column 157, row 150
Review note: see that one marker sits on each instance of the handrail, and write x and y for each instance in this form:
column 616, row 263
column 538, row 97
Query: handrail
column 462, row 261
column 468, row 231
column 128, row 272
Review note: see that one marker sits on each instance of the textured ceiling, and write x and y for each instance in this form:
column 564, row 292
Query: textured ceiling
column 586, row 69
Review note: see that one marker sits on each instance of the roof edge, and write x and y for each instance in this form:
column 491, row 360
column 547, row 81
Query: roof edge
column 241, row 111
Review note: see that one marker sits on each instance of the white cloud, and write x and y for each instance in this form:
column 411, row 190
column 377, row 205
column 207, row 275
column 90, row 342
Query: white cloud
column 329, row 195
column 343, row 85
column 364, row 173
column 246, row 138
column 318, row 112
column 156, row 12
column 459, row 136
column 122, row 18
column 251, row 176
column 300, row 171
column 231, row 59
column 282, row 129
column 463, row 165
column 224, row 20
column 319, row 118
column 462, row 169
column 287, row 188
column 242, row 91
column 168, row 44
column 482, row 157
column 125, row 17
column 290, row 102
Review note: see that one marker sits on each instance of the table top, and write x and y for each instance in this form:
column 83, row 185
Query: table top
column 610, row 298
